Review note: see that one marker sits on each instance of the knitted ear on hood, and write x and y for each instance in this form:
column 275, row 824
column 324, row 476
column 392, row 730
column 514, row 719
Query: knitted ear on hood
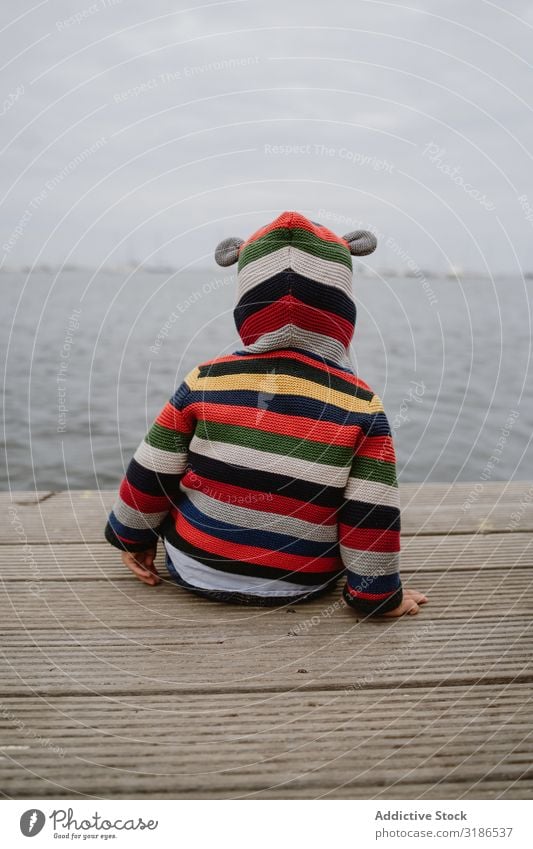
column 227, row 252
column 361, row 242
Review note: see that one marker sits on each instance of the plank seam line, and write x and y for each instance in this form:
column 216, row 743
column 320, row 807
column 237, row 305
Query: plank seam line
column 525, row 678
column 34, row 501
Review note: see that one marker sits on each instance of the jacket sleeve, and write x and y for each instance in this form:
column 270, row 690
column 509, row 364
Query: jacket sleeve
column 152, row 479
column 369, row 521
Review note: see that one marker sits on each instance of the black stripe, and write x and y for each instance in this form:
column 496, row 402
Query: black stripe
column 153, row 483
column 238, row 567
column 320, row 296
column 305, row 491
column 360, row 514
column 292, row 368
column 311, row 354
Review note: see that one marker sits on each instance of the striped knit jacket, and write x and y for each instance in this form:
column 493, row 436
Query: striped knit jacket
column 271, row 471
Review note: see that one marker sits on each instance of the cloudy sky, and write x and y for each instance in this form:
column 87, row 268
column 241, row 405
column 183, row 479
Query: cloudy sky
column 151, row 131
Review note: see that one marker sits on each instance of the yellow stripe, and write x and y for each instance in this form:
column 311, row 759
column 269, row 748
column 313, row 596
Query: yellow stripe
column 282, row 384
column 376, row 405
column 192, row 377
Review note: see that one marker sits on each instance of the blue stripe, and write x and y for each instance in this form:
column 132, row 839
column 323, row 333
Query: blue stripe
column 180, row 396
column 292, row 405
column 373, row 584
column 135, row 534
column 377, row 425
column 258, row 538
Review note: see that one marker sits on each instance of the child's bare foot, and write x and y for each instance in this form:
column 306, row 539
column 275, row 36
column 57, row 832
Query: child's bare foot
column 141, row 563
column 411, row 602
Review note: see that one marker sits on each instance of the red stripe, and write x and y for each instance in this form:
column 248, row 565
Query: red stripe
column 288, row 310
column 377, row 448
column 140, row 501
column 369, row 596
column 252, row 554
column 293, row 355
column 296, row 219
column 262, row 501
column 174, row 419
column 312, row 429
column 369, row 539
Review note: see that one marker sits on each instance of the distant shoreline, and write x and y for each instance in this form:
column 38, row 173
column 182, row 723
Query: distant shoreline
column 134, row 268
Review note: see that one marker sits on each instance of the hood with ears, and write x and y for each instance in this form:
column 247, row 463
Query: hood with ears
column 295, row 286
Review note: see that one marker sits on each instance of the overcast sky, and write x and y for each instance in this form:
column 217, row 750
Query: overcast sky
column 147, row 131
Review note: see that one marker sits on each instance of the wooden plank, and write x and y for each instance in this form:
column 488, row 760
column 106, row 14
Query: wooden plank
column 118, row 602
column 72, row 516
column 481, row 519
column 450, row 493
column 357, row 744
column 521, row 788
column 41, row 562
column 304, row 701
column 457, row 493
column 79, row 516
column 501, row 552
column 332, row 652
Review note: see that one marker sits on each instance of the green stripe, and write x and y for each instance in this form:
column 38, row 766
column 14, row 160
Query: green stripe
column 302, row 239
column 303, row 449
column 374, row 470
column 166, row 440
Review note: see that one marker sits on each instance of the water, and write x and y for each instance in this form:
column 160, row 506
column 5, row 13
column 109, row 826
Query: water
column 451, row 360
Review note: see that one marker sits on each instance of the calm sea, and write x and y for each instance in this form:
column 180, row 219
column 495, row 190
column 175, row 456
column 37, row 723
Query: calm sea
column 89, row 361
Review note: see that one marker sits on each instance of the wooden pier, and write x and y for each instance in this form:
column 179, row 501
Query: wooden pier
column 113, row 689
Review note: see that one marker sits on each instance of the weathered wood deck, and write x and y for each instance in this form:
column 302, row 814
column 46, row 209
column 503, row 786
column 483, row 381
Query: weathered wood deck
column 112, row 689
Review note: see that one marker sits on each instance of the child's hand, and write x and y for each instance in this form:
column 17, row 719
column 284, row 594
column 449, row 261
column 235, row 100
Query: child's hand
column 142, row 565
column 410, row 604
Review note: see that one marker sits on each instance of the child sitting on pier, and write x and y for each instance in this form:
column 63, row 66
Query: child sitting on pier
column 271, row 471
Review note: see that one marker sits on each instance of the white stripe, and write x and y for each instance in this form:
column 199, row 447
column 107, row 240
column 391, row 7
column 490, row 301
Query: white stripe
column 204, row 577
column 320, row 270
column 157, row 460
column 292, row 336
column 372, row 492
column 135, row 518
column 370, row 563
column 261, row 520
column 266, row 461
